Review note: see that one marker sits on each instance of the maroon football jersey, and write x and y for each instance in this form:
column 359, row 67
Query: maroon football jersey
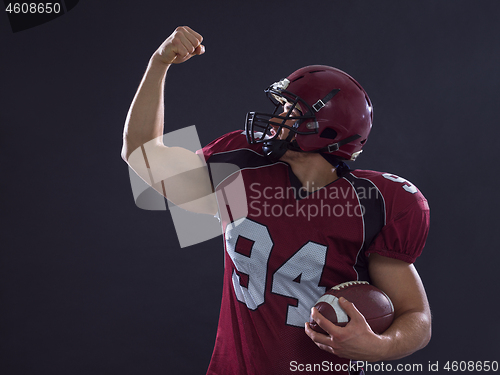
column 291, row 246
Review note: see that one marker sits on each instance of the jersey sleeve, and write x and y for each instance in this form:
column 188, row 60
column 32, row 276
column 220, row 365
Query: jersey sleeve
column 404, row 235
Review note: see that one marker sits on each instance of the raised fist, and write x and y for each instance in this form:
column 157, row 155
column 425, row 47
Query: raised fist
column 183, row 44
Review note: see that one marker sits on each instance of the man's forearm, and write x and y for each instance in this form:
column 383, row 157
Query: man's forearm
column 146, row 114
column 409, row 332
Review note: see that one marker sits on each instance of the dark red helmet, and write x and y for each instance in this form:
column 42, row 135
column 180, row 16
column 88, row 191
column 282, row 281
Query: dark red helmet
column 336, row 114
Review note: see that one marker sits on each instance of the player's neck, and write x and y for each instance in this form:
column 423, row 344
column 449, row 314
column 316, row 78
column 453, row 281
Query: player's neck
column 312, row 170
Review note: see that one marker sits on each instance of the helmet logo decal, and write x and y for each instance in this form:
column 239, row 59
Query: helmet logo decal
column 280, row 85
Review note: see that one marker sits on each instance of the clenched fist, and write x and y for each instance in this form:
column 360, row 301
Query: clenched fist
column 183, row 44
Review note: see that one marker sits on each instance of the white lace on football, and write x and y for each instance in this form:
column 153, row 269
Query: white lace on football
column 349, row 283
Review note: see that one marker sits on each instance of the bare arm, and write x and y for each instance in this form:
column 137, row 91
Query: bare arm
column 177, row 173
column 410, row 331
column 145, row 117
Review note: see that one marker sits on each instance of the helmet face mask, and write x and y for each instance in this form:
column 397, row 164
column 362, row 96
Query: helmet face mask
column 264, row 127
column 335, row 114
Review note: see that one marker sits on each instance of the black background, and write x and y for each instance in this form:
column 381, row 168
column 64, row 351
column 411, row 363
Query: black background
column 91, row 284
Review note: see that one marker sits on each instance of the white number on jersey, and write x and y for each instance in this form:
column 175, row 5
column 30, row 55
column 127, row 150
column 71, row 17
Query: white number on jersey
column 255, row 266
column 297, row 278
column 407, row 185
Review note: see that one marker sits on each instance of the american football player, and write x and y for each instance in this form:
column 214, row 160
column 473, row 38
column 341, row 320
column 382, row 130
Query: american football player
column 311, row 221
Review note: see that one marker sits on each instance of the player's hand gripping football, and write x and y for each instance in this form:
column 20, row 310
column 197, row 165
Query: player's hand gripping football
column 180, row 46
column 354, row 341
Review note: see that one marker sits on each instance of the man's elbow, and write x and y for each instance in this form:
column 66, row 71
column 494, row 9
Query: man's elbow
column 426, row 329
column 127, row 149
column 422, row 330
column 124, row 153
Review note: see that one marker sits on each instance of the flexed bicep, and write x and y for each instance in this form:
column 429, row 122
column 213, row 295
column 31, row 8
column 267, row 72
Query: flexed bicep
column 179, row 174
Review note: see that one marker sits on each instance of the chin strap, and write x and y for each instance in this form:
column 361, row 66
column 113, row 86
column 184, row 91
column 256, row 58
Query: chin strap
column 335, row 146
column 322, row 102
column 327, row 149
column 275, row 149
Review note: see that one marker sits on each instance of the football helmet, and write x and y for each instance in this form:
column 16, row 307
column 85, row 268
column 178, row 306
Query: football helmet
column 331, row 113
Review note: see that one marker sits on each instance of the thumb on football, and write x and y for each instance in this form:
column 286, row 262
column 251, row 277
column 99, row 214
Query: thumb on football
column 350, row 309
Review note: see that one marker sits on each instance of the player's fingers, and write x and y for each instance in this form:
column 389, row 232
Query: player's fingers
column 189, row 39
column 193, row 36
column 180, row 47
column 186, row 43
column 191, row 45
column 324, row 323
column 319, row 339
column 322, row 341
column 194, row 33
column 311, row 332
column 200, row 50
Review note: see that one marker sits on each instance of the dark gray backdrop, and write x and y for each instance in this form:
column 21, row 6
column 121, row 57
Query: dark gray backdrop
column 90, row 284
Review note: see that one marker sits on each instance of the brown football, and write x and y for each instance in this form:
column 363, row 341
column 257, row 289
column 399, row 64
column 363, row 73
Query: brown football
column 371, row 302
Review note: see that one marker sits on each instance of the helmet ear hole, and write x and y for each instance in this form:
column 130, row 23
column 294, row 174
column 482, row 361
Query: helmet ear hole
column 328, row 133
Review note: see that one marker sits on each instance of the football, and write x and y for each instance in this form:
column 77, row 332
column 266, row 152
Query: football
column 370, row 301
